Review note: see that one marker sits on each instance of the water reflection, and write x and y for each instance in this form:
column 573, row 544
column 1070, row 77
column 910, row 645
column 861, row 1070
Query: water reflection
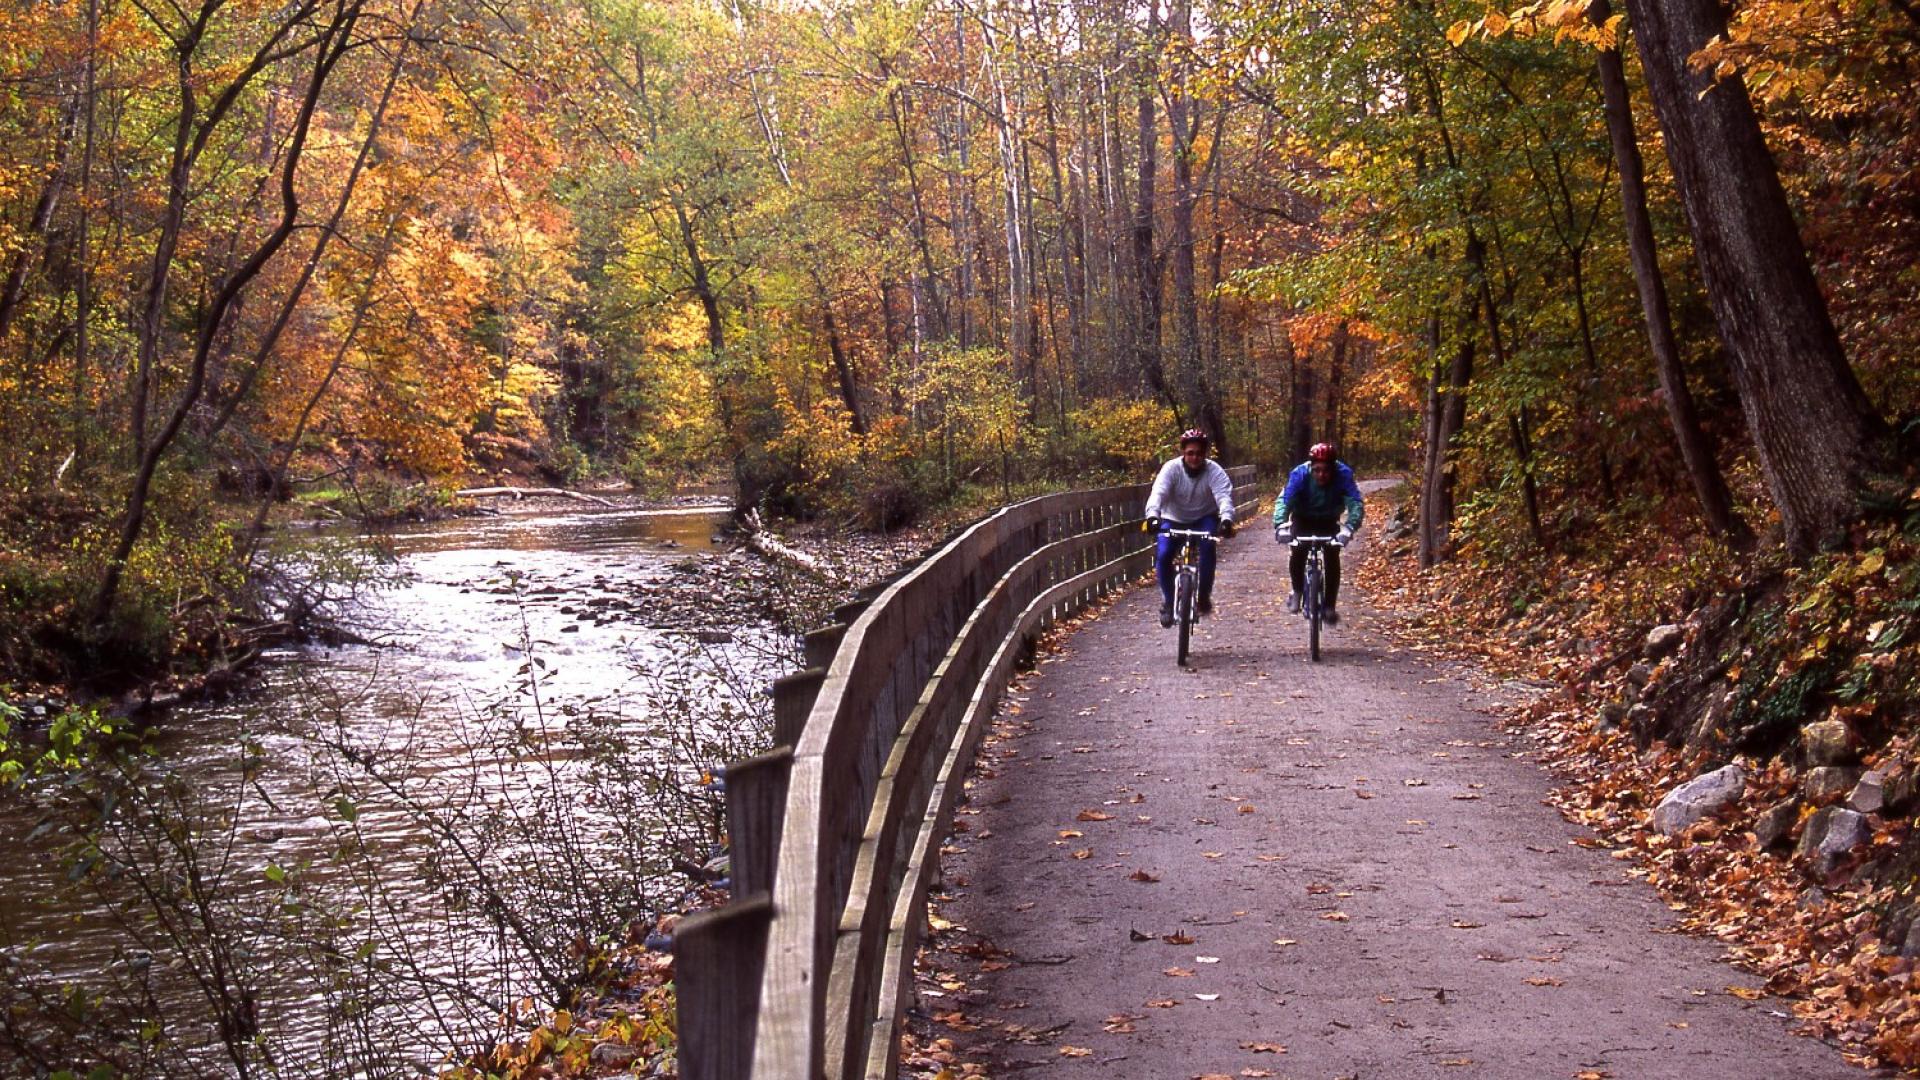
column 512, row 697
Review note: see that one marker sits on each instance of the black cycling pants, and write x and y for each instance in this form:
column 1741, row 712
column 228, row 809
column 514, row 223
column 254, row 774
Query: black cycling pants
column 1297, row 565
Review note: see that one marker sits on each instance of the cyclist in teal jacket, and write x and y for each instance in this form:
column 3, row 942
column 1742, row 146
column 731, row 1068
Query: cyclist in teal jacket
column 1319, row 493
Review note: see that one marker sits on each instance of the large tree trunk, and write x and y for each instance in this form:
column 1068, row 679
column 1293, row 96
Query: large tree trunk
column 1336, row 369
column 1446, row 415
column 1820, row 441
column 1300, row 405
column 331, row 44
column 15, row 287
column 1146, row 267
column 1696, row 450
column 1497, row 342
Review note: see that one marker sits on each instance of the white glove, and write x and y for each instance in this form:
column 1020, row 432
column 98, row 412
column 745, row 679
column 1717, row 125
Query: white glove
column 1283, row 534
column 1343, row 537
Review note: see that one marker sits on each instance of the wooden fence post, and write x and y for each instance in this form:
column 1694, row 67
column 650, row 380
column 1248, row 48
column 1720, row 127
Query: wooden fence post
column 718, row 959
column 756, row 799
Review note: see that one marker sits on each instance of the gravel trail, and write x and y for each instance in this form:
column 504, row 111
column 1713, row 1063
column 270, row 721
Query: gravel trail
column 1291, row 869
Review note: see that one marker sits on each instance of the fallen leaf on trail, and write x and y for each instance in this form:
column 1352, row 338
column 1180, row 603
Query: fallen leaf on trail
column 1283, row 941
column 1463, row 924
column 1263, row 1047
column 1746, row 993
column 1208, row 997
column 938, row 923
column 1138, row 797
column 1211, row 854
column 1415, row 783
column 1681, row 1025
column 1269, row 858
column 1213, row 1076
column 1163, row 1003
column 1142, row 875
column 1083, row 853
column 1384, row 999
column 1318, row 888
column 1466, row 796
column 1093, row 815
column 1119, row 1024
column 1457, row 1061
column 1206, row 959
column 1178, row 973
column 1336, row 916
column 1363, row 794
column 1135, row 935
column 1071, row 834
column 996, row 965
column 1256, row 1072
column 1178, row 937
column 1246, row 808
column 1593, row 1074
column 1545, row 980
column 1076, row 1051
column 1026, row 906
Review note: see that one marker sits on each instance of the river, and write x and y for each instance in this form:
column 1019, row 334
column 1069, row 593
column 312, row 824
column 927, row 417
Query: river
column 367, row 860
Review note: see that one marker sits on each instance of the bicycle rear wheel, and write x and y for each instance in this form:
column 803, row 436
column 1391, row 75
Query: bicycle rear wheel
column 1183, row 608
column 1312, row 601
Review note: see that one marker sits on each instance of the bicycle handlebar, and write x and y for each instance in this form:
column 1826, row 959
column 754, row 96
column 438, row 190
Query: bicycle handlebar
column 1334, row 540
column 1202, row 534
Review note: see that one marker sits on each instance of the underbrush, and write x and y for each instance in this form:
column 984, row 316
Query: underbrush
column 1670, row 657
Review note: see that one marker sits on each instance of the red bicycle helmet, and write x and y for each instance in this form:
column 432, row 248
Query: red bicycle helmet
column 1321, row 452
column 1194, row 435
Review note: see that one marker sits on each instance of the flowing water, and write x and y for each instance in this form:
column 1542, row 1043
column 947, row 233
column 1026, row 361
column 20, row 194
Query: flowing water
column 526, row 734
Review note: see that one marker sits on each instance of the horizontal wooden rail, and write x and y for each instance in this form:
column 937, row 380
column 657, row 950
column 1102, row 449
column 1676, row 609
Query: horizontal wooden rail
column 882, row 726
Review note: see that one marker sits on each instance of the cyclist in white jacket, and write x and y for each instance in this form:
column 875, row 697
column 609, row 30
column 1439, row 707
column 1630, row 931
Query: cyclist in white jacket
column 1191, row 492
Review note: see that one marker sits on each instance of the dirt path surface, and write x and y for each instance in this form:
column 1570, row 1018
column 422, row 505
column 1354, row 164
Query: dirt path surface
column 1360, row 858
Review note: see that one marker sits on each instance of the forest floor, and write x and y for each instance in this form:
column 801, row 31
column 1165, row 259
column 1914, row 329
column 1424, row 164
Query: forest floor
column 1263, row 866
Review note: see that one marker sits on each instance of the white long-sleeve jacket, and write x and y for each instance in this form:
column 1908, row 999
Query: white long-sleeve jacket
column 1179, row 497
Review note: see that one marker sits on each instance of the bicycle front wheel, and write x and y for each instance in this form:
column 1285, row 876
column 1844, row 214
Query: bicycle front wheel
column 1312, row 600
column 1183, row 609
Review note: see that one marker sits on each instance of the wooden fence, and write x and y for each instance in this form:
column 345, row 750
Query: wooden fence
column 835, row 833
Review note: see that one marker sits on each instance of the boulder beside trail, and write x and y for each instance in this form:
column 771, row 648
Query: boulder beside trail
column 1699, row 798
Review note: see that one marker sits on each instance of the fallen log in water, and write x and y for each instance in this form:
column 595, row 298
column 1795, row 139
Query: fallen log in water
column 521, row 493
column 770, row 546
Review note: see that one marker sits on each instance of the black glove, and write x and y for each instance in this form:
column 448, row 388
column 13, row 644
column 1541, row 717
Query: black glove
column 1152, row 524
column 1226, row 528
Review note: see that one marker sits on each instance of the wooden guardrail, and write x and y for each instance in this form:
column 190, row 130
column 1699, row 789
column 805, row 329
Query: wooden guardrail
column 835, row 833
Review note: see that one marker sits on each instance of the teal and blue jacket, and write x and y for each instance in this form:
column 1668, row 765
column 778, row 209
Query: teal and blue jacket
column 1305, row 498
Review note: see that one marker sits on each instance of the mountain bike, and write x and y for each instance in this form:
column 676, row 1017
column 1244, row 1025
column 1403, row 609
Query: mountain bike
column 1186, row 581
column 1314, row 582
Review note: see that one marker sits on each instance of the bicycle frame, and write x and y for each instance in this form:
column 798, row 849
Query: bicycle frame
column 1186, row 585
column 1313, row 595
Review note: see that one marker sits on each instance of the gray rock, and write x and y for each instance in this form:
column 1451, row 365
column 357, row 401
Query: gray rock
column 1662, row 640
column 1639, row 675
column 1830, row 835
column 1870, row 794
column 1642, row 720
column 610, row 1055
column 1901, row 787
column 1712, row 718
column 1776, row 823
column 1699, row 798
column 1828, row 782
column 1612, row 714
column 1827, row 742
column 1911, row 946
